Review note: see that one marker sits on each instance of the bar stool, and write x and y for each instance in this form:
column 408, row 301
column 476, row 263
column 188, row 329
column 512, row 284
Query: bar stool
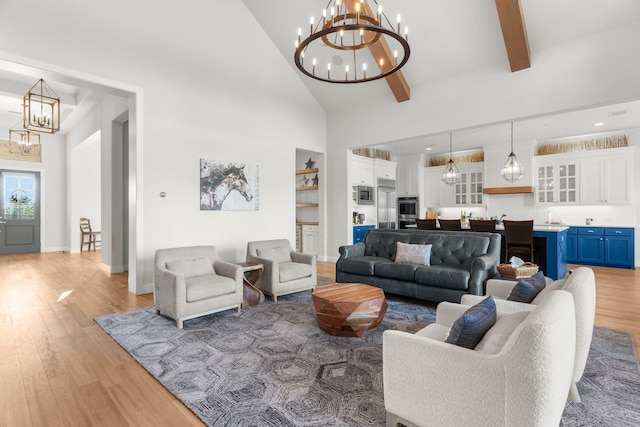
column 450, row 224
column 426, row 224
column 483, row 225
column 518, row 239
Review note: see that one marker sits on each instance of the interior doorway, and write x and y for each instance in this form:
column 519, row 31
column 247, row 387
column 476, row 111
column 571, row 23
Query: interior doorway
column 20, row 212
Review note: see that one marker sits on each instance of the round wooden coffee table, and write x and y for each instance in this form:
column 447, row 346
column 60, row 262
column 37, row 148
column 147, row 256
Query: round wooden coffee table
column 348, row 309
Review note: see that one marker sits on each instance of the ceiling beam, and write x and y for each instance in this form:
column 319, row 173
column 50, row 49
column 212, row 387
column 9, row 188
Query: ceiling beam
column 396, row 81
column 514, row 33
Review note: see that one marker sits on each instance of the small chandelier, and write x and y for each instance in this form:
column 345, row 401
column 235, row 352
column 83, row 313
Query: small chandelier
column 347, row 27
column 451, row 174
column 41, row 109
column 512, row 170
column 22, row 139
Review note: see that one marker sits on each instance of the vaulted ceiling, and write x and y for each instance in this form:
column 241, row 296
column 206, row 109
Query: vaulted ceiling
column 447, row 38
column 456, row 37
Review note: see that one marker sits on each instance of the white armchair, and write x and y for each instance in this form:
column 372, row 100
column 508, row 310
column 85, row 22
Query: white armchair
column 285, row 270
column 519, row 374
column 192, row 281
column 581, row 285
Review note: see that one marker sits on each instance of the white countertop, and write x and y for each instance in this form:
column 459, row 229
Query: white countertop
column 554, row 228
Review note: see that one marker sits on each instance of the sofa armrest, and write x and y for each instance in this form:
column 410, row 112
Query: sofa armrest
column 303, row 258
column 349, row 251
column 271, row 273
column 448, row 312
column 500, row 288
column 484, row 262
column 169, row 289
column 227, row 269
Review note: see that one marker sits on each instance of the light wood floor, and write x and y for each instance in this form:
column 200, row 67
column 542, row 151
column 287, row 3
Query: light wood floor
column 58, row 368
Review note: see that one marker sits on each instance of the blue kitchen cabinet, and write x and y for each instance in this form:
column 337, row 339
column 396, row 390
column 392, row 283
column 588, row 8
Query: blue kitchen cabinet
column 359, row 231
column 572, row 244
column 619, row 247
column 591, row 245
column 606, row 246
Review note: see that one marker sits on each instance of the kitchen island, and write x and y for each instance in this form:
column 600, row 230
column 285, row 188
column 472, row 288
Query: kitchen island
column 550, row 246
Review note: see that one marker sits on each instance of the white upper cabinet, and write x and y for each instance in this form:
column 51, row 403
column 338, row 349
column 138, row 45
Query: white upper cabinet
column 468, row 192
column 432, row 185
column 362, row 171
column 407, row 178
column 597, row 177
column 556, row 180
column 606, row 179
column 385, row 169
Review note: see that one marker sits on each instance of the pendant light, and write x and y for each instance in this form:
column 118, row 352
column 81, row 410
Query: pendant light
column 451, row 174
column 512, row 170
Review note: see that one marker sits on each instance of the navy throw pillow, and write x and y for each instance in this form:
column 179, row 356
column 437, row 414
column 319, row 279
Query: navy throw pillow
column 468, row 329
column 527, row 289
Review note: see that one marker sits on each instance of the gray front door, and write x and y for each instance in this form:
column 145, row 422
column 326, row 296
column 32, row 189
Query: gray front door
column 19, row 212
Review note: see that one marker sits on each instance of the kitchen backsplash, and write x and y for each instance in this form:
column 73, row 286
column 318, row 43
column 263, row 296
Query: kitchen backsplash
column 522, row 206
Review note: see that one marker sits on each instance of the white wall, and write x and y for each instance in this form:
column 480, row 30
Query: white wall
column 572, row 76
column 207, row 92
column 84, row 187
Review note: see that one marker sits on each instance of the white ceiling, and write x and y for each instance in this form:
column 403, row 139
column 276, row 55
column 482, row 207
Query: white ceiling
column 454, row 37
column 447, row 38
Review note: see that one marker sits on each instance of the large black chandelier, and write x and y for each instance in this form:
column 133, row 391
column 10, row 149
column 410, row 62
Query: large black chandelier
column 352, row 43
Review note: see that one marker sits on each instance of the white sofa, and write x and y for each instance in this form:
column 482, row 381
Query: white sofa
column 581, row 285
column 192, row 281
column 518, row 375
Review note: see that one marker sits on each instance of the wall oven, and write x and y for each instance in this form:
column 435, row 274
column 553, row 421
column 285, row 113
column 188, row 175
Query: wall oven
column 407, row 208
column 365, row 195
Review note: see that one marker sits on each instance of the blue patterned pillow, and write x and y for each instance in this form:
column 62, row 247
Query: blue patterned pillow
column 527, row 289
column 468, row 329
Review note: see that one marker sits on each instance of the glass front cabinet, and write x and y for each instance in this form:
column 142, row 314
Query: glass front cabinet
column 557, row 182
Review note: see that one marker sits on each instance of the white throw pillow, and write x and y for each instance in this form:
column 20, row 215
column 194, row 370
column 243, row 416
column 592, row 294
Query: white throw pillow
column 191, row 267
column 281, row 254
column 413, row 254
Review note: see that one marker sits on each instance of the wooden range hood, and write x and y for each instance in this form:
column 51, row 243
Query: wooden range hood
column 508, row 190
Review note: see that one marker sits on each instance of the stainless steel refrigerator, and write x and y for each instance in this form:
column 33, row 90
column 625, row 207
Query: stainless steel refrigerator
column 386, row 203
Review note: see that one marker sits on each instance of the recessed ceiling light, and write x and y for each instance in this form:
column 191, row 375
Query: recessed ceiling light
column 598, row 124
column 429, row 147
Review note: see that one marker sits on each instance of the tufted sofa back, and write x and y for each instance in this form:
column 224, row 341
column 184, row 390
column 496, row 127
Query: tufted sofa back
column 450, row 248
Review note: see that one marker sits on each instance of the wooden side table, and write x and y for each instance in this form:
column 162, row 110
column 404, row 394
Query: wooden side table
column 250, row 294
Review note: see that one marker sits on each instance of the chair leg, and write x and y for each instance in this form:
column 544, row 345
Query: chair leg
column 179, row 323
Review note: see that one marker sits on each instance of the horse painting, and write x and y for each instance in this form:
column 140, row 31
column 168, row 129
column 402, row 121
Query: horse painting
column 219, row 180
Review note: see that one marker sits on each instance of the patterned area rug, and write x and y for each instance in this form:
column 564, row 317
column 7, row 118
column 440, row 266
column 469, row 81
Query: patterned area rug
column 271, row 366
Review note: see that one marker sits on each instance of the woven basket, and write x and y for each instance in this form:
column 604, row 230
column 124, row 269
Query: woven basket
column 527, row 269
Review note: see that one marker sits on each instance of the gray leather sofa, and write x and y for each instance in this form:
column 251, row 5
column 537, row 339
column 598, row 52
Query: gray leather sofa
column 461, row 262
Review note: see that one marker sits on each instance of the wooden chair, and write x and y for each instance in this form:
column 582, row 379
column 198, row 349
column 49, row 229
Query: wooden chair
column 86, row 231
column 426, row 224
column 450, row 224
column 483, row 225
column 518, row 239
